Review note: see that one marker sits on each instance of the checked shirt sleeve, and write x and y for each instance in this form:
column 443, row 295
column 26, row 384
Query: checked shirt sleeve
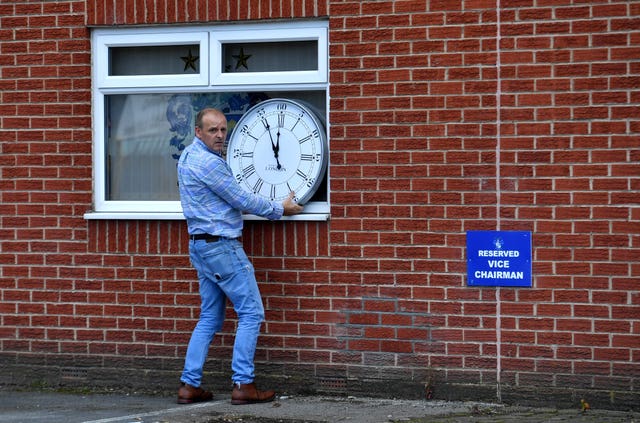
column 222, row 182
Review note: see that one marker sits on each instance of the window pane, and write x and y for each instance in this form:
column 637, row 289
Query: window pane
column 139, row 164
column 146, row 133
column 270, row 57
column 154, row 60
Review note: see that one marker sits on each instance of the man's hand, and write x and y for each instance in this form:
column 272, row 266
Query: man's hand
column 290, row 206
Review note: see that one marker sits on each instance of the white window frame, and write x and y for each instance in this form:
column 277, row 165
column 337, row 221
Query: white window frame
column 210, row 78
column 149, row 39
column 218, row 38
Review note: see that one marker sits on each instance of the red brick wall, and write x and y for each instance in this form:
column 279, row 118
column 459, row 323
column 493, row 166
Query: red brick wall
column 434, row 131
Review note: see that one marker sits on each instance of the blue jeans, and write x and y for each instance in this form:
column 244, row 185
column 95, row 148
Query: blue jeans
column 224, row 272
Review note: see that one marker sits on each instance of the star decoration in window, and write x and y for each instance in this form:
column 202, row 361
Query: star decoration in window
column 190, row 61
column 241, row 59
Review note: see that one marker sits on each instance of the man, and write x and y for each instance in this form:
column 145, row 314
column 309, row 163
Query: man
column 213, row 202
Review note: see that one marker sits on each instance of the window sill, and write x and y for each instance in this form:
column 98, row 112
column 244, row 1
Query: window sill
column 93, row 215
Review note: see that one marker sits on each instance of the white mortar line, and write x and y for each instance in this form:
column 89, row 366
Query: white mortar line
column 498, row 188
column 133, row 417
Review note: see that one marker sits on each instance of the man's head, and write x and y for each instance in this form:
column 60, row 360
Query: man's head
column 211, row 128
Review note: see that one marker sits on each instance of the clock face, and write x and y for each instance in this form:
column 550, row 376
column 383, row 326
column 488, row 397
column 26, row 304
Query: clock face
column 279, row 146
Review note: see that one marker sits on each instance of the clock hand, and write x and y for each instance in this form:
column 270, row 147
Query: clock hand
column 273, row 145
column 277, row 148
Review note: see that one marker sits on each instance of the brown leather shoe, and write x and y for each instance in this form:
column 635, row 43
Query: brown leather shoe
column 249, row 394
column 188, row 394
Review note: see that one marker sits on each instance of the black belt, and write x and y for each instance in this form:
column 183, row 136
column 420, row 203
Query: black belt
column 209, row 238
column 206, row 237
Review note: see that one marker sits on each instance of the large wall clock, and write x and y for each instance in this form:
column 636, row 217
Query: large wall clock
column 279, row 146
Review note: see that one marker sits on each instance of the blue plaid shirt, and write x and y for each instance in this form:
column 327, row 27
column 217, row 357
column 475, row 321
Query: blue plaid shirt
column 212, row 201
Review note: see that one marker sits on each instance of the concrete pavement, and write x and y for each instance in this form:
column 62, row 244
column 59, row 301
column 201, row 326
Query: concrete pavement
column 53, row 407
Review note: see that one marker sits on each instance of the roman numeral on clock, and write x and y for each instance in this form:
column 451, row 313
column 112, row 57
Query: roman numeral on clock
column 263, row 118
column 248, row 171
column 239, row 153
column 302, row 174
column 258, row 185
column 245, row 131
column 299, row 117
column 310, row 157
column 289, row 189
column 315, row 134
column 281, row 107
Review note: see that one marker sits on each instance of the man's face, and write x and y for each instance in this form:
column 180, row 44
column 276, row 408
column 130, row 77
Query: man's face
column 214, row 131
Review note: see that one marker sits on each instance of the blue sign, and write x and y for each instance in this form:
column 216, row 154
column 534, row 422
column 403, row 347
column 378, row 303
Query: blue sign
column 498, row 258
